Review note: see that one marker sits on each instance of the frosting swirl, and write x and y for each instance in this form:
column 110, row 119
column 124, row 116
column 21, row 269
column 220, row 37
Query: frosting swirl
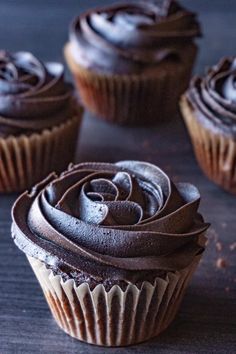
column 213, row 97
column 33, row 95
column 110, row 221
column 132, row 37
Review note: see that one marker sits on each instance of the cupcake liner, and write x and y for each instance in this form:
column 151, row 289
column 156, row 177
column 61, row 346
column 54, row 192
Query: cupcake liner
column 133, row 99
column 116, row 317
column 25, row 160
column 215, row 152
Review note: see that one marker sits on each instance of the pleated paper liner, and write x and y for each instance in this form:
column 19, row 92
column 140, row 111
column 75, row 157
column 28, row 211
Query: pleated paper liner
column 215, row 152
column 25, row 160
column 116, row 317
column 133, row 99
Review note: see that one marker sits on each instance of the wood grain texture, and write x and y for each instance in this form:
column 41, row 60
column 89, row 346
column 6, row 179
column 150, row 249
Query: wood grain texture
column 206, row 322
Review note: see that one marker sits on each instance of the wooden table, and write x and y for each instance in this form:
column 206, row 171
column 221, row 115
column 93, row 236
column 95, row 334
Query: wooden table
column 206, row 322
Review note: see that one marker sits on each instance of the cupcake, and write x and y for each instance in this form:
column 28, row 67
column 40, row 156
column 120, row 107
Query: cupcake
column 39, row 120
column 209, row 110
column 132, row 61
column 113, row 247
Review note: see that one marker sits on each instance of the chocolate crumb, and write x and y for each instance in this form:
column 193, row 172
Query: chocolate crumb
column 227, row 289
column 221, row 263
column 145, row 144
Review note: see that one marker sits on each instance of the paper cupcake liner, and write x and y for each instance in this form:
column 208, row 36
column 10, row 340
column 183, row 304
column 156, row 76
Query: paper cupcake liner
column 215, row 152
column 25, row 160
column 116, row 317
column 133, row 99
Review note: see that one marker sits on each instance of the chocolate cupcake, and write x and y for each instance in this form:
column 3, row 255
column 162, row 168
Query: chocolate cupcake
column 39, row 120
column 131, row 62
column 209, row 110
column 113, row 247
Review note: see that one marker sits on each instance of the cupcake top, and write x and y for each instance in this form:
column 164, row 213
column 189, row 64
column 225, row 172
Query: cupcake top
column 33, row 95
column 132, row 37
column 213, row 97
column 101, row 222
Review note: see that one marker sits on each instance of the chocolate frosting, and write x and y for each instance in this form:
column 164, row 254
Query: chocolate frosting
column 132, row 37
column 110, row 221
column 213, row 97
column 33, row 95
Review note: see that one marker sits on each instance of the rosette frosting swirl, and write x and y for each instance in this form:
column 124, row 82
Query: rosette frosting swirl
column 213, row 97
column 132, row 37
column 33, row 95
column 110, row 221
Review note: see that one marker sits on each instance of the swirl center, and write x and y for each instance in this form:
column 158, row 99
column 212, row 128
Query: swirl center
column 113, row 199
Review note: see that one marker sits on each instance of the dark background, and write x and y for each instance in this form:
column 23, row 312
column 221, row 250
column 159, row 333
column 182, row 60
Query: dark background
column 206, row 322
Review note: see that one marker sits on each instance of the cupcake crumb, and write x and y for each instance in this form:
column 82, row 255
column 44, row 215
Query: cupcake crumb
column 224, row 225
column 232, row 247
column 221, row 263
column 212, row 235
column 219, row 246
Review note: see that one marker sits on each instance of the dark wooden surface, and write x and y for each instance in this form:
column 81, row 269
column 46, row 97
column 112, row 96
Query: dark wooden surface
column 206, row 322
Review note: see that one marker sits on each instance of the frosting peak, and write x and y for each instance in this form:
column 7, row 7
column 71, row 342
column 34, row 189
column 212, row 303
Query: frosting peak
column 131, row 37
column 113, row 221
column 229, row 85
column 33, row 95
